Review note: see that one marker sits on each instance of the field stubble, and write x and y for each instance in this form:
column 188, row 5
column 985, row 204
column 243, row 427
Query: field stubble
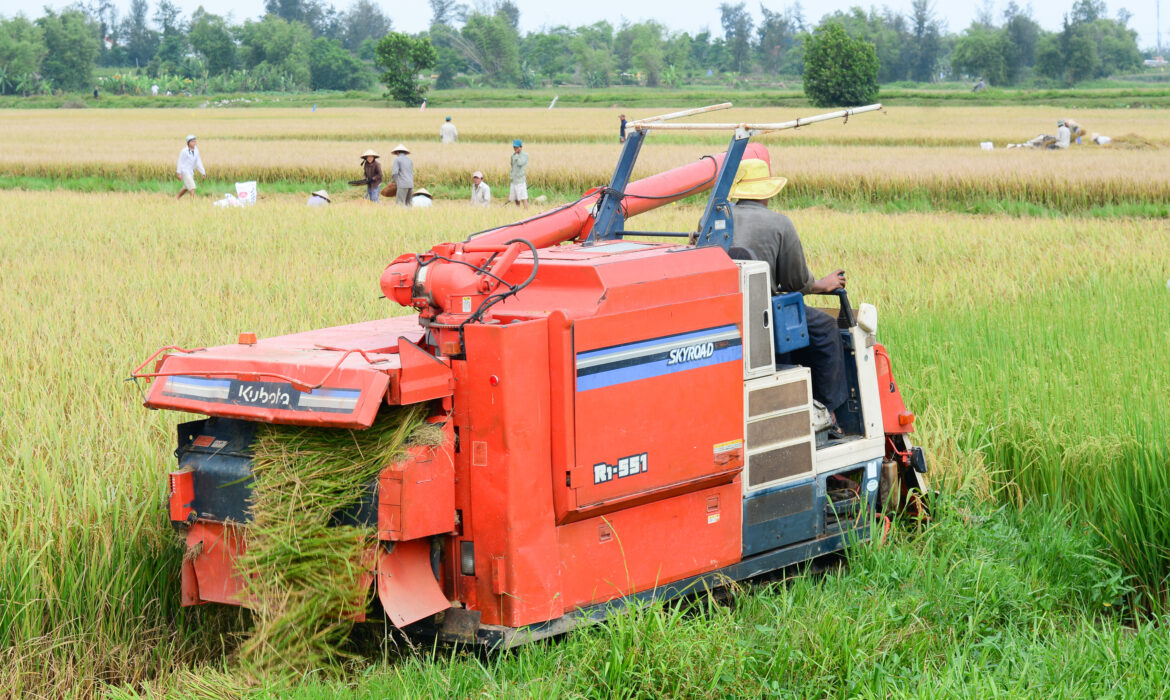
column 1020, row 350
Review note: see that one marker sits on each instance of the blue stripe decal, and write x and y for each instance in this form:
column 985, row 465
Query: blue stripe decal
column 680, row 338
column 657, row 368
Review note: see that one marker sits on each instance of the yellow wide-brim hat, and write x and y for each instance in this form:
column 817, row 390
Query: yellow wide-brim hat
column 753, row 180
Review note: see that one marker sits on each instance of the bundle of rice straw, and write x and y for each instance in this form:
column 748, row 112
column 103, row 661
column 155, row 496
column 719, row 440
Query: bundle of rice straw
column 303, row 570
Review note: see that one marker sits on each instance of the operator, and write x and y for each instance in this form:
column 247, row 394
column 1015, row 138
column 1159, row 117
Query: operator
column 772, row 238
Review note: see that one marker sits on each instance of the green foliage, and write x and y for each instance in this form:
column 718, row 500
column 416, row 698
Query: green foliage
column 141, row 42
column 889, row 34
column 549, row 52
column 22, row 49
column 402, row 58
column 334, row 68
column 839, row 70
column 737, row 29
column 640, row 49
column 211, row 38
column 72, row 47
column 491, row 46
column 982, row 52
column 593, row 50
column 277, row 48
column 1089, row 46
column 363, row 21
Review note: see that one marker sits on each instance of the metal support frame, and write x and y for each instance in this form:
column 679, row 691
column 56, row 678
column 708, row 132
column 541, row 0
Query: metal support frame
column 716, row 227
column 609, row 219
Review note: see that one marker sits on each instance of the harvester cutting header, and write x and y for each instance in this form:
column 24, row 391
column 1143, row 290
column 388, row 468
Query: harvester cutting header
column 620, row 417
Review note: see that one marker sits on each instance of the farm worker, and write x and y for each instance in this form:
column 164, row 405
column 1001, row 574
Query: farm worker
column 1062, row 134
column 421, row 198
column 622, row 129
column 372, row 172
column 1075, row 130
column 481, row 194
column 320, row 198
column 519, row 190
column 448, row 133
column 402, row 174
column 771, row 237
column 189, row 161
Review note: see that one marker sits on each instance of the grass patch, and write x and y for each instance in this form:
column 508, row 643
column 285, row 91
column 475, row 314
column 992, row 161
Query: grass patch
column 987, row 601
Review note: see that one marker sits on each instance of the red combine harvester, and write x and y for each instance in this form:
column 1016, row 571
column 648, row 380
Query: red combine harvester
column 621, row 418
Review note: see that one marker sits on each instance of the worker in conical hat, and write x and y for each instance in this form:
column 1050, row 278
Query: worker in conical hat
column 421, row 198
column 320, row 198
column 771, row 237
column 402, row 174
column 372, row 171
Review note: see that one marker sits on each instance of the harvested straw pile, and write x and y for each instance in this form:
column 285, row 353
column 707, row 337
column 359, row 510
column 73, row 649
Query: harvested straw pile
column 304, row 571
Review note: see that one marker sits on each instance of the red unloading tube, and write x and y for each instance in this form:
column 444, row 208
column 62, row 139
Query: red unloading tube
column 399, row 281
column 570, row 222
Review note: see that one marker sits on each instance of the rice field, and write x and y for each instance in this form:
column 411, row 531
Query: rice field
column 1033, row 350
column 906, row 153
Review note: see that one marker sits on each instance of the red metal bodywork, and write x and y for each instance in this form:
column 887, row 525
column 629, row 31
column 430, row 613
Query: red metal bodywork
column 896, row 419
column 571, row 488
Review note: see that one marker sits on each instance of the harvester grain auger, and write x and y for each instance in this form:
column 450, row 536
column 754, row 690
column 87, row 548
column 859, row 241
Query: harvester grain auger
column 619, row 417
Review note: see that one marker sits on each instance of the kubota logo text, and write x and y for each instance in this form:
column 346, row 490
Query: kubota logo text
column 690, row 353
column 263, row 396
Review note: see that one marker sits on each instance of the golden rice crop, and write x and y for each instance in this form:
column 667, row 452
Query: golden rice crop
column 296, row 146
column 909, row 126
column 94, row 283
column 992, row 322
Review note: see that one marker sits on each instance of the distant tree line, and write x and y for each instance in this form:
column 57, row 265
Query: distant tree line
column 309, row 44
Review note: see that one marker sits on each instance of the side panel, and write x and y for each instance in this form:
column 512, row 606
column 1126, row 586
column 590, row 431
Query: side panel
column 517, row 579
column 416, row 497
column 636, row 549
column 658, row 402
column 211, row 576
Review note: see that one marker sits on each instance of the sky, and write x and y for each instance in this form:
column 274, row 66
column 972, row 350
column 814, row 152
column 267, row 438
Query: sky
column 691, row 16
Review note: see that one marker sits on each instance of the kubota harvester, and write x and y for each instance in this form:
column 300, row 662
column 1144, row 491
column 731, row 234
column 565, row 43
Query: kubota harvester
column 621, row 417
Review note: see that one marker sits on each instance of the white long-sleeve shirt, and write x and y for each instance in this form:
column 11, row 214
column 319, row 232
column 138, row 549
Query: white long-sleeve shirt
column 481, row 194
column 189, row 162
column 1062, row 136
column 448, row 133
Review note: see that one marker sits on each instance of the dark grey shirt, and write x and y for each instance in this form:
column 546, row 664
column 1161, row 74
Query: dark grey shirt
column 772, row 238
column 402, row 172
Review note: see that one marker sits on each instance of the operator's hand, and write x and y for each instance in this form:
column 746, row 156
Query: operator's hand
column 830, row 283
